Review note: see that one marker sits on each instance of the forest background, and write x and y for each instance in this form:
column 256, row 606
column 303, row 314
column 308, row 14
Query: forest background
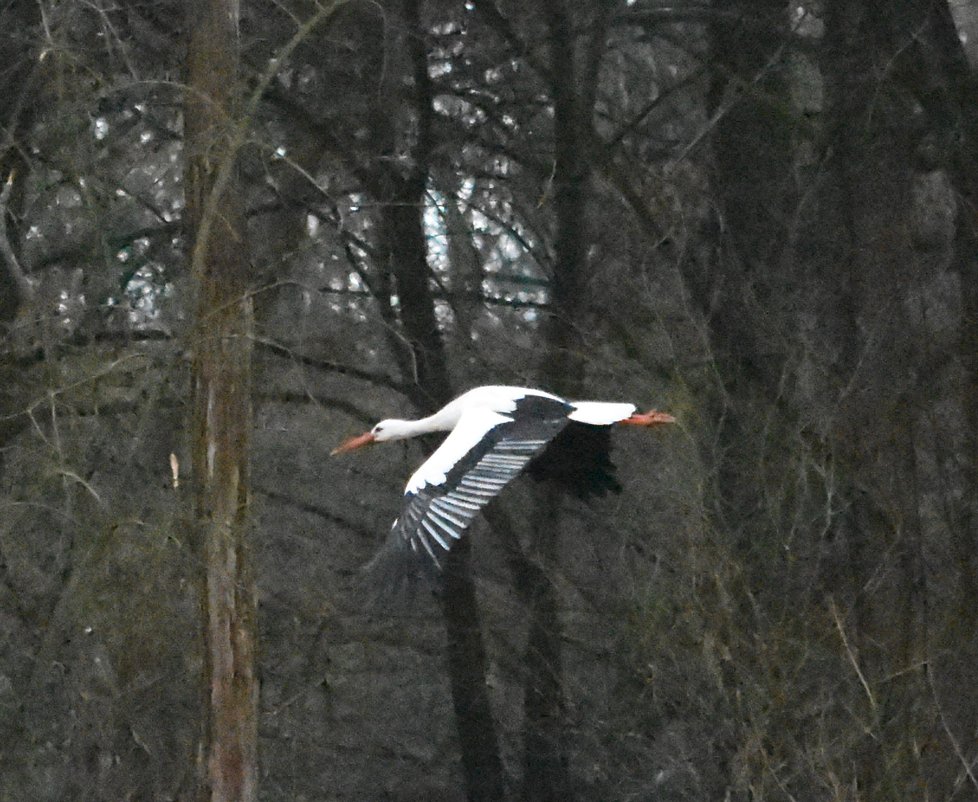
column 231, row 235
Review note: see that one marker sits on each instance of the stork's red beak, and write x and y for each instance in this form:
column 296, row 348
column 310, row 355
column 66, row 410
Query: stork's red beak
column 351, row 443
column 650, row 418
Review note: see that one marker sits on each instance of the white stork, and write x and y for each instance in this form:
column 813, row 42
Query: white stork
column 496, row 433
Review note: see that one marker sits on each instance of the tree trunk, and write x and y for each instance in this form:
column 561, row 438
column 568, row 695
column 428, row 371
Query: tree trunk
column 946, row 86
column 573, row 87
column 402, row 216
column 877, row 408
column 749, row 282
column 404, row 227
column 951, row 89
column 221, row 411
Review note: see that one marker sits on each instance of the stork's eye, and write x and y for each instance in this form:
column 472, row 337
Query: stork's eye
column 378, row 429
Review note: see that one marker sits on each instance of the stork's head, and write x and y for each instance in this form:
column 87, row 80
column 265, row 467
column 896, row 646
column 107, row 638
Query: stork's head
column 392, row 429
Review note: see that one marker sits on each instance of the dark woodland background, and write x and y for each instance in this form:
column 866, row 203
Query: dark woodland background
column 758, row 216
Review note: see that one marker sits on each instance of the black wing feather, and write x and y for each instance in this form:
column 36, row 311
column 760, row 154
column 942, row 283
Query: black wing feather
column 579, row 461
column 435, row 515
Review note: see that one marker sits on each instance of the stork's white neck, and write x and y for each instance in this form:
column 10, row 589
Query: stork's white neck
column 495, row 398
column 395, row 429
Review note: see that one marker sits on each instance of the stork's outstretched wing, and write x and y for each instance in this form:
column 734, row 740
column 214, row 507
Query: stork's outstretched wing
column 483, row 453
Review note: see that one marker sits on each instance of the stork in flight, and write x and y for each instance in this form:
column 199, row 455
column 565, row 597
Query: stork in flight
column 496, row 433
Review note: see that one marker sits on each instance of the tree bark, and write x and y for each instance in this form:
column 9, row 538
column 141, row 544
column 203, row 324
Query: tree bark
column 404, row 226
column 751, row 172
column 865, row 294
column 221, row 406
column 573, row 88
column 948, row 91
column 402, row 199
column 946, row 87
column 432, row 389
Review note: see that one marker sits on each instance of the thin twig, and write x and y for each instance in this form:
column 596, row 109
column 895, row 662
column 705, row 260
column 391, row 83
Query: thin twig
column 67, row 474
column 849, row 652
column 24, row 289
column 324, row 364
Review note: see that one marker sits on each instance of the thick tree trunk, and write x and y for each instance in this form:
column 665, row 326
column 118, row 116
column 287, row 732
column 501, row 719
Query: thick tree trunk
column 573, row 87
column 866, row 295
column 946, row 86
column 546, row 776
column 951, row 87
column 404, row 242
column 221, row 411
column 404, row 228
column 749, row 283
column 467, row 671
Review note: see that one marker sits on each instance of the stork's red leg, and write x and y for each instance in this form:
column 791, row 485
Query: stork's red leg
column 650, row 418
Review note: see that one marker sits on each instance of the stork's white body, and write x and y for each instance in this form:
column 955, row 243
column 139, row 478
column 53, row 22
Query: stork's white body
column 473, row 414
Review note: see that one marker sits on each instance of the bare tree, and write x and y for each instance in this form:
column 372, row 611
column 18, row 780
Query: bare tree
column 573, row 80
column 404, row 248
column 221, row 411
